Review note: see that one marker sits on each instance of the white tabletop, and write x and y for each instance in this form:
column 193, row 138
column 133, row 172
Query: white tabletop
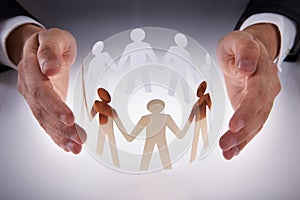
column 33, row 167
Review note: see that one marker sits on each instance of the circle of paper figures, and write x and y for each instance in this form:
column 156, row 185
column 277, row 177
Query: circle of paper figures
column 144, row 96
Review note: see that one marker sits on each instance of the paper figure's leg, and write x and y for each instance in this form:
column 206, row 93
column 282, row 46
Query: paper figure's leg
column 164, row 155
column 195, row 141
column 101, row 141
column 173, row 83
column 203, row 125
column 147, row 154
column 146, row 80
column 113, row 148
column 184, row 87
column 131, row 81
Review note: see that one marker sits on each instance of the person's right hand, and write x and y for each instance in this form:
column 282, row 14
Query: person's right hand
column 246, row 58
column 43, row 76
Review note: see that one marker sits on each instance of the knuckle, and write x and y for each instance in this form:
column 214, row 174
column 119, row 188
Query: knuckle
column 60, row 128
column 38, row 113
column 51, row 106
column 249, row 44
column 34, row 90
column 48, row 50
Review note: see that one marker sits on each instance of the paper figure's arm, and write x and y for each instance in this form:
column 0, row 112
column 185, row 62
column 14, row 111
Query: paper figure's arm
column 122, row 128
column 188, row 123
column 93, row 112
column 109, row 62
column 175, row 129
column 124, row 58
column 152, row 55
column 167, row 59
column 208, row 101
column 104, row 111
column 144, row 122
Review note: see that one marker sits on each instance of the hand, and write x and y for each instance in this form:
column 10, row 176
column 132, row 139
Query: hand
column 246, row 58
column 43, row 75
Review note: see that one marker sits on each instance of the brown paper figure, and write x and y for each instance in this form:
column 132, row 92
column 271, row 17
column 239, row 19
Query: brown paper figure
column 155, row 124
column 199, row 113
column 106, row 117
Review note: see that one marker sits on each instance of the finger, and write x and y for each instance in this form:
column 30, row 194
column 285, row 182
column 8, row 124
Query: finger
column 248, row 108
column 52, row 103
column 57, row 49
column 229, row 154
column 50, row 123
column 230, row 139
column 66, row 144
column 81, row 133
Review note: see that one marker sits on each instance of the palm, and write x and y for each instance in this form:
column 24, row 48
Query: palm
column 251, row 92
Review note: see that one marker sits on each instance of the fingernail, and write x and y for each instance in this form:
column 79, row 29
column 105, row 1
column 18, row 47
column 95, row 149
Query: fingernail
column 66, row 119
column 70, row 146
column 81, row 133
column 50, row 64
column 235, row 151
column 75, row 138
column 238, row 126
column 231, row 142
column 246, row 66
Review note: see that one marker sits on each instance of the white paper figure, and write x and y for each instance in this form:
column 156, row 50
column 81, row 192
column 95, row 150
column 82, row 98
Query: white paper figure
column 137, row 53
column 97, row 65
column 179, row 57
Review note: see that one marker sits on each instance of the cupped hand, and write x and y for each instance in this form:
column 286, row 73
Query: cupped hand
column 252, row 84
column 43, row 76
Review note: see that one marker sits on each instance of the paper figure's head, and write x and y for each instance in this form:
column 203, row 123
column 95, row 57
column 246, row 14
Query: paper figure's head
column 201, row 89
column 137, row 35
column 180, row 40
column 97, row 48
column 156, row 106
column 104, row 95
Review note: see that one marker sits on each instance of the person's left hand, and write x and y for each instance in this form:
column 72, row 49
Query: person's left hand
column 252, row 84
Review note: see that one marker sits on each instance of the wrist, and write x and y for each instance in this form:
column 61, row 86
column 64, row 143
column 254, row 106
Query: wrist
column 269, row 35
column 16, row 40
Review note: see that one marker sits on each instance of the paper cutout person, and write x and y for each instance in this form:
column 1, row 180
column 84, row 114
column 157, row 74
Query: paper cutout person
column 137, row 52
column 199, row 113
column 178, row 56
column 155, row 124
column 97, row 64
column 106, row 117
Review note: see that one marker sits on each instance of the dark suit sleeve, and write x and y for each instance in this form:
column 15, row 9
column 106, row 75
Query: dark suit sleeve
column 11, row 8
column 288, row 8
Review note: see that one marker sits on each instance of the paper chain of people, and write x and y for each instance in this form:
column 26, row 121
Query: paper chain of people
column 155, row 125
column 137, row 53
column 156, row 122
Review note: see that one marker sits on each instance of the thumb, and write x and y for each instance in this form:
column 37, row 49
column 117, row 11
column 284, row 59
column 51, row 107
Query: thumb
column 49, row 56
column 57, row 49
column 247, row 54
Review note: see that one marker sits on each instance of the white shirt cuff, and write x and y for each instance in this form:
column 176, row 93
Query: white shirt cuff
column 6, row 27
column 286, row 27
